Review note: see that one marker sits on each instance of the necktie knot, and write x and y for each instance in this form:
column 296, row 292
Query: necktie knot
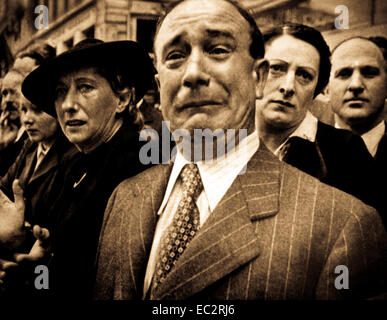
column 192, row 183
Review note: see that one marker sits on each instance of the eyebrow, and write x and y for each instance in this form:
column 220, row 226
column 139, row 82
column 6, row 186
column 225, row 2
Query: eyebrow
column 85, row 79
column 360, row 67
column 80, row 79
column 219, row 33
column 174, row 41
column 277, row 61
column 309, row 69
column 209, row 32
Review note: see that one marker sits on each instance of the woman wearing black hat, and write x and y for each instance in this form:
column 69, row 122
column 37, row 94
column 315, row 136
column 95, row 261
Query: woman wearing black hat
column 94, row 87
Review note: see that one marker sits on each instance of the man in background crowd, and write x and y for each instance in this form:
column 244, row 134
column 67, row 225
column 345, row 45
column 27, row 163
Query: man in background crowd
column 357, row 90
column 299, row 70
column 12, row 133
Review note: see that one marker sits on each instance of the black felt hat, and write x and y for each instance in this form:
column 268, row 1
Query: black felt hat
column 127, row 56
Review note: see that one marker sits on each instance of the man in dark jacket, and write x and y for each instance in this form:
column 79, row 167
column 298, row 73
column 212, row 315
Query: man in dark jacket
column 358, row 90
column 299, row 71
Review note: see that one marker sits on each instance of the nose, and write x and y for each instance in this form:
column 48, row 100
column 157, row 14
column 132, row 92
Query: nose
column 11, row 106
column 356, row 85
column 287, row 86
column 195, row 74
column 69, row 103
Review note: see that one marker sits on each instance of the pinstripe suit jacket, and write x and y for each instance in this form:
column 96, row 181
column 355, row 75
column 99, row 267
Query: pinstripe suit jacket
column 278, row 233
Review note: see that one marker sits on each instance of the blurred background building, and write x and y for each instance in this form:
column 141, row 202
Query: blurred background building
column 67, row 22
column 70, row 21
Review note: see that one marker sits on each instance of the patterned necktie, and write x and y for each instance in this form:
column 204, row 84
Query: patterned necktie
column 184, row 226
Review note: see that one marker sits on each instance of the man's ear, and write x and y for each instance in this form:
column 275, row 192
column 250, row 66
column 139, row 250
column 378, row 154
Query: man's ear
column 126, row 97
column 261, row 68
column 157, row 79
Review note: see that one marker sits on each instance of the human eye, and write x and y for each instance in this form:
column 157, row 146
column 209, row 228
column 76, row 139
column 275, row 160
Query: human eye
column 174, row 55
column 85, row 88
column 304, row 75
column 277, row 69
column 370, row 72
column 344, row 73
column 174, row 58
column 219, row 51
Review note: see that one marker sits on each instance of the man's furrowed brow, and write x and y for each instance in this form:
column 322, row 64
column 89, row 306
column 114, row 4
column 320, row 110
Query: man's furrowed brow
column 173, row 42
column 219, row 34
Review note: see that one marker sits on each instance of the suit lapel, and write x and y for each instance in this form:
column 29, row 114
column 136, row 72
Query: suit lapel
column 28, row 169
column 228, row 239
column 49, row 161
column 381, row 153
column 142, row 223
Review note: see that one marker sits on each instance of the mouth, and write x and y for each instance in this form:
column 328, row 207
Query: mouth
column 198, row 104
column 31, row 131
column 283, row 103
column 11, row 107
column 356, row 100
column 75, row 123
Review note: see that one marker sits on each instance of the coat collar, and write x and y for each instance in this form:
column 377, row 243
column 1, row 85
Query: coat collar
column 228, row 239
column 49, row 161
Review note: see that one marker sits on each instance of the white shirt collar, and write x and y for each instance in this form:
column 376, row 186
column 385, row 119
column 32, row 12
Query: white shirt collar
column 217, row 176
column 372, row 137
column 306, row 130
column 44, row 148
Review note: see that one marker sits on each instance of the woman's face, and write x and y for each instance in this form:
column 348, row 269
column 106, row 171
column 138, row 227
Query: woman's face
column 86, row 107
column 293, row 75
column 40, row 126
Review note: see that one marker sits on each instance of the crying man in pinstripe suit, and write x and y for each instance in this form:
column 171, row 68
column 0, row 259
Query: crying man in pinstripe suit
column 245, row 225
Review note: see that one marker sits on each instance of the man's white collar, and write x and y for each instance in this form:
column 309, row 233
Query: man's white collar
column 306, row 130
column 217, row 176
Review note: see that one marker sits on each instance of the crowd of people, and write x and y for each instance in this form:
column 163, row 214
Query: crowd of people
column 269, row 218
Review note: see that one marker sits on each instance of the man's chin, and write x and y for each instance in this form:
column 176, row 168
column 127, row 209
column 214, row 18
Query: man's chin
column 355, row 117
column 190, row 126
column 279, row 122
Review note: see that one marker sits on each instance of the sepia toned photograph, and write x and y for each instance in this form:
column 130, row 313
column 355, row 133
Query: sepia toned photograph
column 203, row 152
